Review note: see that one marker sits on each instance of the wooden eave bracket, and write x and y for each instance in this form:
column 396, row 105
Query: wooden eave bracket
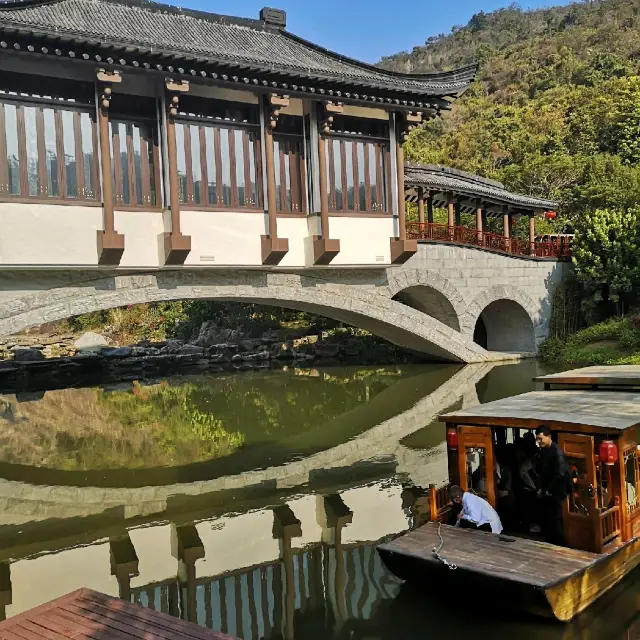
column 176, row 248
column 324, row 250
column 123, row 557
column 285, row 523
column 108, row 76
column 273, row 249
column 176, row 86
column 110, row 247
column 402, row 250
column 190, row 547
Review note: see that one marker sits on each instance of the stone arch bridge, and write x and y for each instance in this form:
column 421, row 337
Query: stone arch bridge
column 453, row 303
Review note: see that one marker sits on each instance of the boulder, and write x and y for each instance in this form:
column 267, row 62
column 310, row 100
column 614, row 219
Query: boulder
column 190, row 350
column 90, row 341
column 27, row 355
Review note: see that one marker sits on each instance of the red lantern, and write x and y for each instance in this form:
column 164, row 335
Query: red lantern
column 452, row 438
column 550, row 215
column 608, row 452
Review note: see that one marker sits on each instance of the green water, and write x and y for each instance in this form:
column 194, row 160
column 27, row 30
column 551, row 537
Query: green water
column 92, row 479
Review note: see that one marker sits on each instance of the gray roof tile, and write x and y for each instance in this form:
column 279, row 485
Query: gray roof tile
column 436, row 177
column 157, row 28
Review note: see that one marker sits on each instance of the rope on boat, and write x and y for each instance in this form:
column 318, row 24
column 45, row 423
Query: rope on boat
column 436, row 551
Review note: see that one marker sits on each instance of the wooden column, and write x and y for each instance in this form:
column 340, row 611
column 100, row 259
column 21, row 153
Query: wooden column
column 401, row 248
column 325, row 249
column 457, row 214
column 479, row 225
column 124, row 564
column 176, row 246
column 506, row 222
column 110, row 243
column 273, row 248
column 421, row 205
column 190, row 550
column 286, row 527
column 451, row 220
column 532, row 233
column 333, row 516
column 430, row 208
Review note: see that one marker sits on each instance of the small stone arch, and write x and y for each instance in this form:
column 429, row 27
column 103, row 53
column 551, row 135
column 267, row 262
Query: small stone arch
column 502, row 319
column 430, row 293
column 431, row 302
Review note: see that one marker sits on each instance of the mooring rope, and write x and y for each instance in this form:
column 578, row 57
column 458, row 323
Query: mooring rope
column 436, row 551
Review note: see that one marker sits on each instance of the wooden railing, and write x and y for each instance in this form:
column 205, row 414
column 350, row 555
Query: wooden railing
column 610, row 523
column 488, row 241
column 439, row 502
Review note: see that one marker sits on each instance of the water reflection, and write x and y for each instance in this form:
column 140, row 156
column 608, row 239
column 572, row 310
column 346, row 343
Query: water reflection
column 275, row 537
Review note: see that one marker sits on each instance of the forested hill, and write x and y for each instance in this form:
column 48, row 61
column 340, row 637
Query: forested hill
column 556, row 109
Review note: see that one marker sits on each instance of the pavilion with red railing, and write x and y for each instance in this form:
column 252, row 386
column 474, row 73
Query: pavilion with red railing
column 459, row 192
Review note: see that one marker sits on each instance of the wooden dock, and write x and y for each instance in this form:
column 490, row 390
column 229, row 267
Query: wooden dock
column 86, row 614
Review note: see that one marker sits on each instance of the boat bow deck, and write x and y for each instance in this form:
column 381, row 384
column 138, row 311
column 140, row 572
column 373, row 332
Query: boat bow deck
column 528, row 562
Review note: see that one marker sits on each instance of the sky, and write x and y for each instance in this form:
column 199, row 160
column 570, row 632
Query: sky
column 365, row 29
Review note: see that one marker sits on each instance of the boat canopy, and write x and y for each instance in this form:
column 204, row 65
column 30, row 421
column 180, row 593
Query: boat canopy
column 605, row 412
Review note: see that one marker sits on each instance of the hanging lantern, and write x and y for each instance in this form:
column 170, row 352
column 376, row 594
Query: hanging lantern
column 452, row 438
column 550, row 215
column 608, row 452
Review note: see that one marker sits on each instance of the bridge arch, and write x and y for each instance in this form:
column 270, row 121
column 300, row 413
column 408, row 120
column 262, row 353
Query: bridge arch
column 429, row 293
column 503, row 319
column 366, row 307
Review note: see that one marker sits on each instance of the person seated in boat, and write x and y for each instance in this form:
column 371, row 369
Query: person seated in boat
column 476, row 512
column 555, row 486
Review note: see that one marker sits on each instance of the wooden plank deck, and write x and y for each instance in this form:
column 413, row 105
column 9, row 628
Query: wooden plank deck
column 528, row 562
column 623, row 376
column 86, row 614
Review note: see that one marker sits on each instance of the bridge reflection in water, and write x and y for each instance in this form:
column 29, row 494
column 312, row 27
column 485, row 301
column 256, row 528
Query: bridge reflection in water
column 278, row 552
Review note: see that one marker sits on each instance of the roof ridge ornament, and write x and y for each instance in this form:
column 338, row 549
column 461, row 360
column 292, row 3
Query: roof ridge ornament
column 275, row 17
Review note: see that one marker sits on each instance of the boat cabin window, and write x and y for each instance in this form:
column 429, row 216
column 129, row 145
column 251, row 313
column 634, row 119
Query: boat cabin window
column 631, row 458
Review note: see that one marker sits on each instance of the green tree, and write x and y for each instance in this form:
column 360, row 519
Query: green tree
column 606, row 255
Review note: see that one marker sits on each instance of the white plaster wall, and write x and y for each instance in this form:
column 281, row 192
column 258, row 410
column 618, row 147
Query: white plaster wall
column 377, row 512
column 48, row 577
column 155, row 562
column 223, row 237
column 45, row 234
column 297, row 232
column 234, row 542
column 143, row 243
column 362, row 240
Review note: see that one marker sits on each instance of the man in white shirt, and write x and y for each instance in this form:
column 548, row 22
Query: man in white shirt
column 476, row 513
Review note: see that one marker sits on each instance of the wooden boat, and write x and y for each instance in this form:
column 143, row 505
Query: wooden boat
column 620, row 377
column 598, row 432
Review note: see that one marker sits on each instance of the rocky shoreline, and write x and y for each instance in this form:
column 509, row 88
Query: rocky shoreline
column 35, row 363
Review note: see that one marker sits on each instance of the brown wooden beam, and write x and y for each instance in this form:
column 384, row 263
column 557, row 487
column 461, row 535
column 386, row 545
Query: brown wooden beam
column 401, row 248
column 479, row 221
column 430, row 207
column 457, row 213
column 451, row 221
column 421, row 205
column 110, row 243
column 506, row 222
column 273, row 248
column 324, row 248
column 124, row 564
column 532, row 233
column 176, row 245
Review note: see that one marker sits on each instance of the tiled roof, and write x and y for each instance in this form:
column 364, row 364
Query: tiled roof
column 442, row 179
column 148, row 27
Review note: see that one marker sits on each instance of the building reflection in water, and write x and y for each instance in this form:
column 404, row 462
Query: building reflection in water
column 278, row 553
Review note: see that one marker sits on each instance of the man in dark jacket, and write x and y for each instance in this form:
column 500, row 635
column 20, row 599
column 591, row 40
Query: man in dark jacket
column 554, row 486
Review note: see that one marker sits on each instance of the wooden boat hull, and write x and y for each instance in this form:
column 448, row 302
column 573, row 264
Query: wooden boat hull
column 580, row 584
column 570, row 597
